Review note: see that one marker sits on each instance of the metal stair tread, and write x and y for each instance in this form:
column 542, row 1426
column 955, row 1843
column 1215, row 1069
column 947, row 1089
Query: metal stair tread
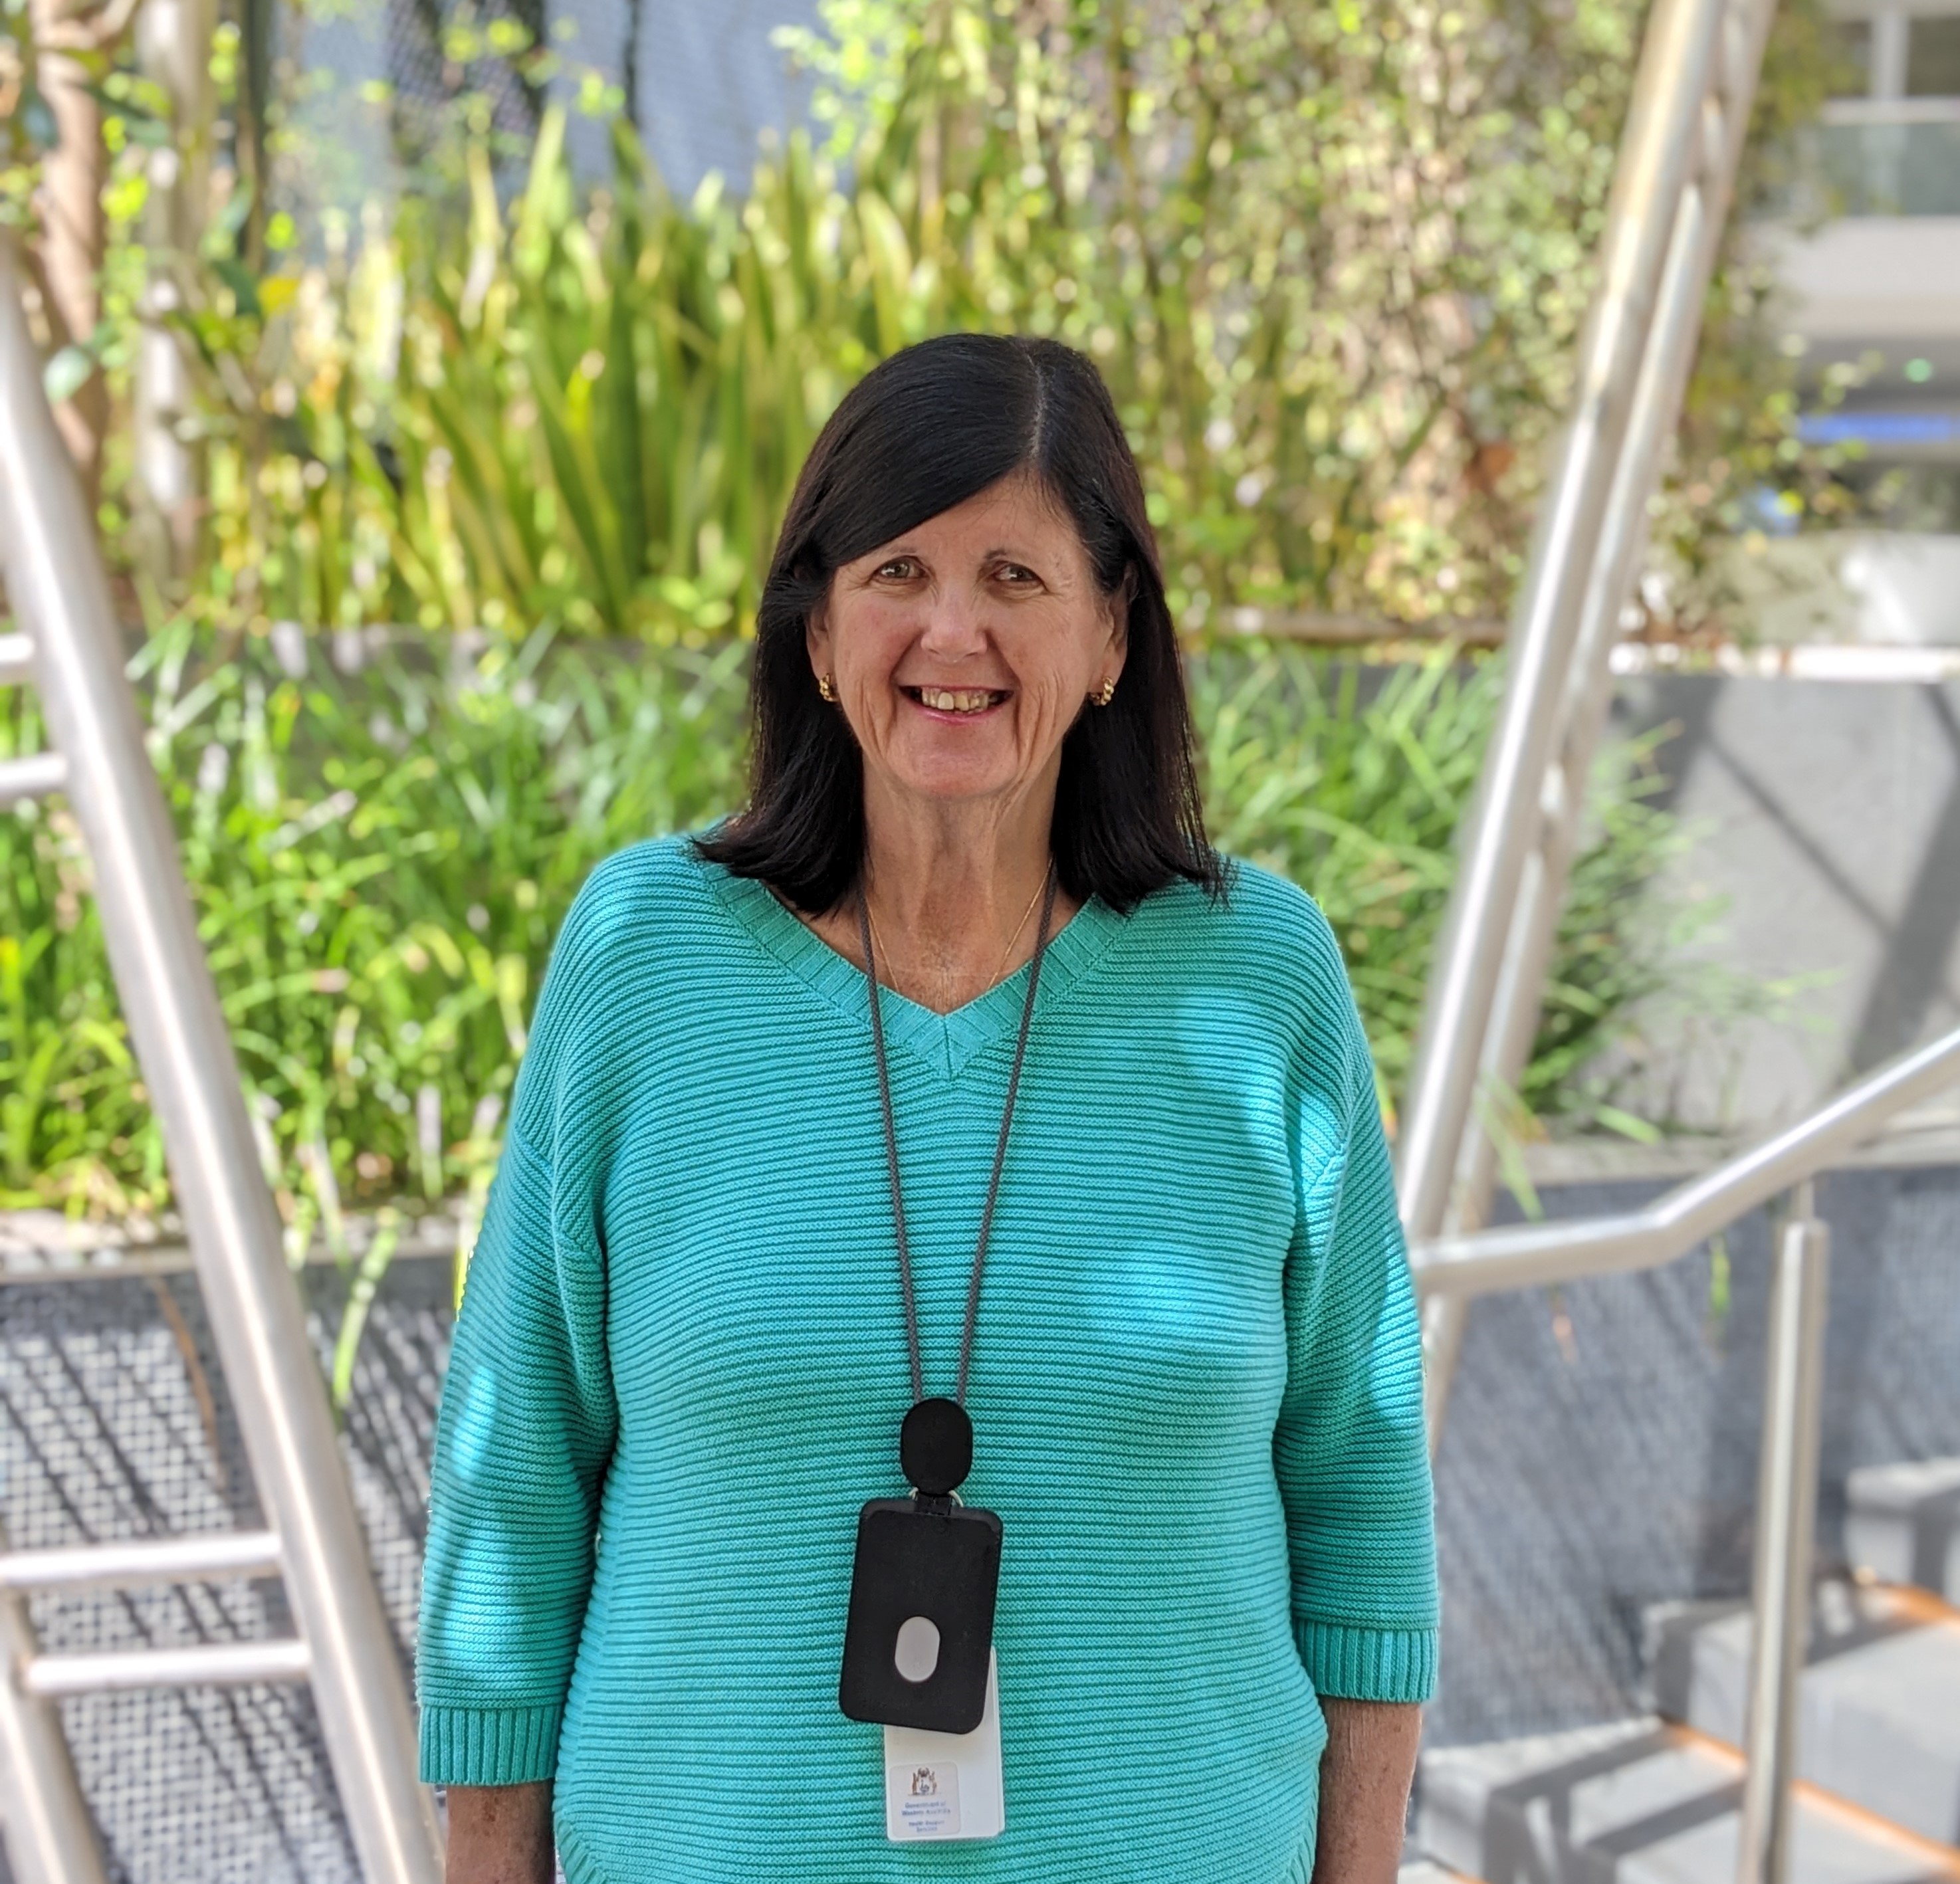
column 1636, row 1802
column 1418, row 1867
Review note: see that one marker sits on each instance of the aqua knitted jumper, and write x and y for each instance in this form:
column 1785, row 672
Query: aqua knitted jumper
column 681, row 1365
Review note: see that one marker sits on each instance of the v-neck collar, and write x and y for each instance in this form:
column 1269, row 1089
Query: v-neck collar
column 946, row 1043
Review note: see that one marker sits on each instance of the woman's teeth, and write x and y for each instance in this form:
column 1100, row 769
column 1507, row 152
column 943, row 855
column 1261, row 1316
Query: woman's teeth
column 947, row 700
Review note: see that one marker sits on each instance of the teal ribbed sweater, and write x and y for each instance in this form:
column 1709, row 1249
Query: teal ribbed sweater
column 680, row 1368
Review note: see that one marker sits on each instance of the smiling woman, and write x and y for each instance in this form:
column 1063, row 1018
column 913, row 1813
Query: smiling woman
column 966, row 563
column 963, row 995
column 961, row 654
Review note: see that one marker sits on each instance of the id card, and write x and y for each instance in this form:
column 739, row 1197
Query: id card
column 946, row 1785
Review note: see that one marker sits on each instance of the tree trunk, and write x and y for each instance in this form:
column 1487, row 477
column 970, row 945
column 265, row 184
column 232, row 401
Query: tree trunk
column 70, row 249
column 174, row 49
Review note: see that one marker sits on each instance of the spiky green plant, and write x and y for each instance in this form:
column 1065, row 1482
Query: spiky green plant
column 379, row 862
column 1332, row 263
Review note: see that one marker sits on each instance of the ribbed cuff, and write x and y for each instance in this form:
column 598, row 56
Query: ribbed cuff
column 489, row 1746
column 1354, row 1663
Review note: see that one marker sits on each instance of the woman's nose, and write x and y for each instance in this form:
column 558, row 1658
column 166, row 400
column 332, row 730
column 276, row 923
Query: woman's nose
column 954, row 625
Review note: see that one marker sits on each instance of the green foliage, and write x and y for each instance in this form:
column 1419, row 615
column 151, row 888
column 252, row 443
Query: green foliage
column 1350, row 782
column 587, row 410
column 1331, row 259
column 378, row 863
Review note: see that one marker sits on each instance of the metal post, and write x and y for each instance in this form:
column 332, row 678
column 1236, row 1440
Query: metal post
column 1511, row 1022
column 54, row 578
column 1786, row 1518
column 49, row 1838
column 1495, row 1038
column 1656, row 156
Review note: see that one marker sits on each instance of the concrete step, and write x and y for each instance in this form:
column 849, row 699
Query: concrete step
column 1879, row 1708
column 1417, row 1868
column 1902, row 1525
column 1639, row 1802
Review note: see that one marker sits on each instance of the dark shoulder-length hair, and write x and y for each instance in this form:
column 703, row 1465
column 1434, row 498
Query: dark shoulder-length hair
column 923, row 432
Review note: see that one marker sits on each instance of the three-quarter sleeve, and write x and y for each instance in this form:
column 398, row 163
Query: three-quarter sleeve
column 526, row 1426
column 1350, row 1450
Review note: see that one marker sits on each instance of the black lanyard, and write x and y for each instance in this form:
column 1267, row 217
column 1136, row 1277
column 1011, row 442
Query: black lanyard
column 918, row 1637
column 999, row 1148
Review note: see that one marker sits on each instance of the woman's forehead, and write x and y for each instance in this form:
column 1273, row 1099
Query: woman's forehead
column 1020, row 511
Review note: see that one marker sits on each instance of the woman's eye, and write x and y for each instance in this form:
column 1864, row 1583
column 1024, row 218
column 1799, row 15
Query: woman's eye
column 900, row 568
column 1013, row 572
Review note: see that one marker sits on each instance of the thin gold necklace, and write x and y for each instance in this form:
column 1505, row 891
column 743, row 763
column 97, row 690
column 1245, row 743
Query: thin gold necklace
column 1001, row 968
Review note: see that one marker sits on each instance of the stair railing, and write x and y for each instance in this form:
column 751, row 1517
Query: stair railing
column 1457, row 1269
column 1673, row 181
column 69, row 648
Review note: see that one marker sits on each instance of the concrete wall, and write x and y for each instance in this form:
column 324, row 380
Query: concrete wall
column 1888, row 589
column 1828, row 814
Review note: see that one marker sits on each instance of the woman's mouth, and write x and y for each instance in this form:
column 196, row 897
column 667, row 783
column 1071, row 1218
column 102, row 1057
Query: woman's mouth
column 964, row 701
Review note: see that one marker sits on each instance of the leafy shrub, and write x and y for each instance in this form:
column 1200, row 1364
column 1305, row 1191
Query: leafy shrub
column 1332, row 259
column 1350, row 782
column 379, row 862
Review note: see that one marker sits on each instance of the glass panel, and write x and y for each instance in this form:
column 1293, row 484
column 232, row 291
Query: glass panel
column 1851, row 43
column 1890, row 169
column 1933, row 58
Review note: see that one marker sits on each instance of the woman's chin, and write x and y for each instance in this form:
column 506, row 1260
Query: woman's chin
column 952, row 779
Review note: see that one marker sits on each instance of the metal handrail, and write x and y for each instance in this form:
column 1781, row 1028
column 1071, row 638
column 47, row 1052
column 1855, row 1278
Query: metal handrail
column 1454, row 1269
column 140, row 1561
column 1699, row 64
column 1658, row 154
column 1527, row 1254
column 59, row 591
column 202, row 1665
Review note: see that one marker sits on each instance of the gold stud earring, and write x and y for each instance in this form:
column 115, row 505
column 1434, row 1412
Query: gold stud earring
column 1106, row 692
column 827, row 688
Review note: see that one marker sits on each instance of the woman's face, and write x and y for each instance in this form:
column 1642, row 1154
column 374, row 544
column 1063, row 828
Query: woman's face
column 962, row 651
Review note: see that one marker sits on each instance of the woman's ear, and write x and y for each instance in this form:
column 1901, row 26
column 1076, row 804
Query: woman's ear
column 1119, row 604
column 816, row 639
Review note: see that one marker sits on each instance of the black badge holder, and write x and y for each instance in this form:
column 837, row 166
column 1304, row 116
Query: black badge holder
column 921, row 1625
column 918, row 1638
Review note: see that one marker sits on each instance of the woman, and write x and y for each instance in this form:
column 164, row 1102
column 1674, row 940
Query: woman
column 744, row 1218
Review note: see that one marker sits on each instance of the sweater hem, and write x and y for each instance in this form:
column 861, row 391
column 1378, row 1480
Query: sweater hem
column 576, row 1863
column 1349, row 1661
column 489, row 1746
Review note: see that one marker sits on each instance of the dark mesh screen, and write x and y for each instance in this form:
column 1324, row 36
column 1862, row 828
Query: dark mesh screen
column 1600, row 1458
column 115, row 1423
column 1602, row 1449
